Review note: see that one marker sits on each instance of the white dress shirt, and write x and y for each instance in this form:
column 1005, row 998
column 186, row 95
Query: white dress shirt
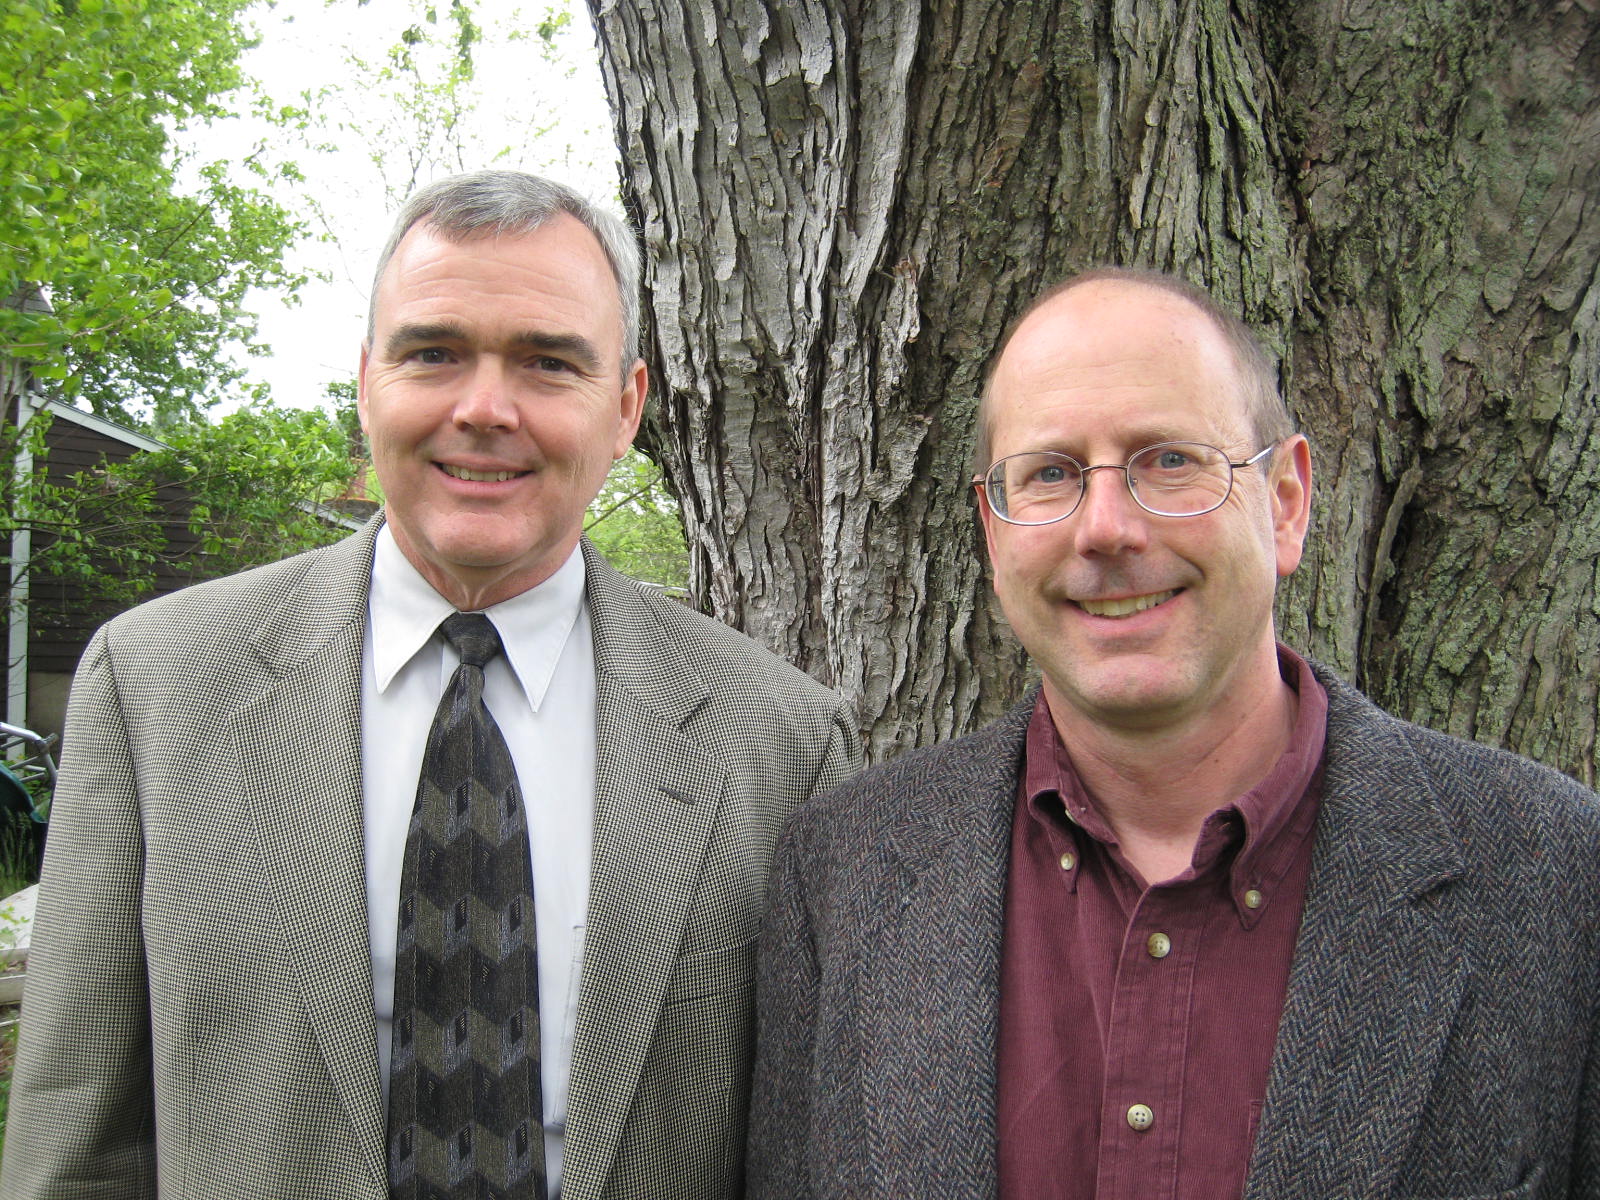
column 541, row 692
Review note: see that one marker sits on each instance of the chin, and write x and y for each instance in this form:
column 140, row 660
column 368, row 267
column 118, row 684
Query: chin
column 1121, row 693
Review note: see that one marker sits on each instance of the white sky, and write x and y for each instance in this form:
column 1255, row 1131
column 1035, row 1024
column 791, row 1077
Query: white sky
column 306, row 45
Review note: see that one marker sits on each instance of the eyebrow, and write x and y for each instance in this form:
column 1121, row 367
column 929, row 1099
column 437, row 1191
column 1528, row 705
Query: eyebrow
column 1138, row 438
column 578, row 348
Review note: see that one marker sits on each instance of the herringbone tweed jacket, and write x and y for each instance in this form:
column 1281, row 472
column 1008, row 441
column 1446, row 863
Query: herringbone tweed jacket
column 1439, row 1038
column 198, row 1018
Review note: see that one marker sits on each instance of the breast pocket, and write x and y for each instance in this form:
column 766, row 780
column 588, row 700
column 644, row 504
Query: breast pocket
column 1526, row 1190
column 713, row 973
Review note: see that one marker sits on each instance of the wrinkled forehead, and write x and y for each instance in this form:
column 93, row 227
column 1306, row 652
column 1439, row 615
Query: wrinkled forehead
column 556, row 272
column 1115, row 362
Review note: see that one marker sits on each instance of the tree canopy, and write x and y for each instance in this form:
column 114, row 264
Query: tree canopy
column 144, row 259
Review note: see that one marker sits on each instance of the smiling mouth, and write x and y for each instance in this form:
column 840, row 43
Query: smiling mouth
column 479, row 476
column 1127, row 607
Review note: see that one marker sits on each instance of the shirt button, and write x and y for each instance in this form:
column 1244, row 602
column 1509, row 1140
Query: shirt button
column 1140, row 1117
column 1068, row 861
column 1252, row 899
column 1159, row 945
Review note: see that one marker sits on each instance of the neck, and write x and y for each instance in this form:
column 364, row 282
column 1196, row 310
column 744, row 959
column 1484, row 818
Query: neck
column 1156, row 787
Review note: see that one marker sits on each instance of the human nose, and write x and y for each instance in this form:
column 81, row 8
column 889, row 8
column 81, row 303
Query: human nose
column 1108, row 520
column 487, row 402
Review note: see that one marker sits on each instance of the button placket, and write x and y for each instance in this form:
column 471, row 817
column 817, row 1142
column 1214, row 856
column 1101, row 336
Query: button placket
column 1147, row 1043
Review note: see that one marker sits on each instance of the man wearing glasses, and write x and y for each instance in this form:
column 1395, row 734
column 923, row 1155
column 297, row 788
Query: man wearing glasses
column 1196, row 919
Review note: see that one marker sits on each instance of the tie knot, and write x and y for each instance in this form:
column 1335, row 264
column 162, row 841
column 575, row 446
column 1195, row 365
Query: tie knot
column 474, row 637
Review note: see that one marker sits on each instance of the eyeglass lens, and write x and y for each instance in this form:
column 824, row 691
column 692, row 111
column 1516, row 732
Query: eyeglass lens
column 1175, row 479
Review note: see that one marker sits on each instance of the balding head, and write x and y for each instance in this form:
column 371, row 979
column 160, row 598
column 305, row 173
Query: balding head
column 1254, row 372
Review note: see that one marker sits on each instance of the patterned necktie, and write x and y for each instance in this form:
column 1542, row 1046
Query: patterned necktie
column 465, row 1108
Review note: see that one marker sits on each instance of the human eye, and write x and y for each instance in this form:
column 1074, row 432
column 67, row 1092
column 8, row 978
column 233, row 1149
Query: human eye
column 430, row 356
column 1172, row 458
column 1045, row 474
column 1172, row 462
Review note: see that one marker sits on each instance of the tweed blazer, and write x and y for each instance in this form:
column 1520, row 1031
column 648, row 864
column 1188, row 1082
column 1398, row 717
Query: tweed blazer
column 198, row 1019
column 1439, row 1037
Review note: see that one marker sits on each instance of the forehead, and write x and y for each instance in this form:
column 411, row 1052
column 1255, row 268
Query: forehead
column 556, row 277
column 1116, row 365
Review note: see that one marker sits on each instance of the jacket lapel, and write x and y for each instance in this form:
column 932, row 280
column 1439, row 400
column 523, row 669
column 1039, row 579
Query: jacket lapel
column 657, row 798
column 298, row 742
column 1377, row 974
column 929, row 990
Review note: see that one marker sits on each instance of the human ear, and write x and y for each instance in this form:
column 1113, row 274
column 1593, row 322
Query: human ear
column 635, row 385
column 1291, row 501
column 361, row 387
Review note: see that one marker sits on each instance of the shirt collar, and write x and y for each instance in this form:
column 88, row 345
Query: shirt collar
column 1266, row 823
column 1271, row 805
column 404, row 611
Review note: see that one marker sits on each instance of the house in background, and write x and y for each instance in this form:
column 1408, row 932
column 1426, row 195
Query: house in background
column 50, row 620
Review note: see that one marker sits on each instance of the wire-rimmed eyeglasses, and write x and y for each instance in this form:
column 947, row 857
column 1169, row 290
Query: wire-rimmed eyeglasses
column 1169, row 479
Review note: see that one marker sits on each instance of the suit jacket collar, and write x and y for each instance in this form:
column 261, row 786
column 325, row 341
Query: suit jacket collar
column 928, row 993
column 1377, row 973
column 298, row 741
column 658, row 796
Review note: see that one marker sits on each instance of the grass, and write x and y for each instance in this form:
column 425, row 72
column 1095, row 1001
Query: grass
column 16, row 861
column 18, row 869
column 8, row 1056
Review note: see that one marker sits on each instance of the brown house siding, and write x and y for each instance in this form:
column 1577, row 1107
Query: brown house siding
column 62, row 615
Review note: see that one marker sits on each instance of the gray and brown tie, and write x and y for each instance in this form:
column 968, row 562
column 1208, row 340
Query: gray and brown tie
column 465, row 1115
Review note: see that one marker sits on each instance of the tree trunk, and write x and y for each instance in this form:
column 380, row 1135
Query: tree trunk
column 844, row 202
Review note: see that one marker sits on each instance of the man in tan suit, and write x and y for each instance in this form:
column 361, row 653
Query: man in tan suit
column 209, row 999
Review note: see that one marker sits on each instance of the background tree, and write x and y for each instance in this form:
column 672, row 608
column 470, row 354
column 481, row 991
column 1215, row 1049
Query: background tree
column 421, row 107
column 846, row 201
column 145, row 258
column 251, row 487
column 634, row 523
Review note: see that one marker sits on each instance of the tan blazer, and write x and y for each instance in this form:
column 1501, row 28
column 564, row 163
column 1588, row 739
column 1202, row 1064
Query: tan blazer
column 199, row 1013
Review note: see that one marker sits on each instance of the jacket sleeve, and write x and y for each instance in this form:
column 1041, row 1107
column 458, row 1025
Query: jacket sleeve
column 1585, row 1183
column 80, row 1123
column 842, row 758
column 786, row 1015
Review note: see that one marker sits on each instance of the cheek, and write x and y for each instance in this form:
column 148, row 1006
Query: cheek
column 1020, row 568
column 396, row 425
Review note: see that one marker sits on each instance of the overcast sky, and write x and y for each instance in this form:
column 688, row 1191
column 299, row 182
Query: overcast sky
column 306, row 45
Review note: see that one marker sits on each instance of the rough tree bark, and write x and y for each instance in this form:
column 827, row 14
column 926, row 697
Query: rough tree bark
column 845, row 201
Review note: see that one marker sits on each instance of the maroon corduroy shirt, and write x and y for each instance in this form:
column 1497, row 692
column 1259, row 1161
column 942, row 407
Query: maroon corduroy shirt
column 1137, row 1023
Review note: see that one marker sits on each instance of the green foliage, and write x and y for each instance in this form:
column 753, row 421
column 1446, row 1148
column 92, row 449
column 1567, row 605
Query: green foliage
column 340, row 395
column 634, row 523
column 144, row 260
column 416, row 105
column 8, row 1056
column 247, row 487
column 258, row 477
column 19, row 864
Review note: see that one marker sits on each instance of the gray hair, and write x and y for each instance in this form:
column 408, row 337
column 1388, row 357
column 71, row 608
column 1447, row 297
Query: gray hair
column 1258, row 377
column 515, row 202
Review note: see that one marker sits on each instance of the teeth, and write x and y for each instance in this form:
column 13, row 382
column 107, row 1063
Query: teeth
column 1125, row 608
column 479, row 476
